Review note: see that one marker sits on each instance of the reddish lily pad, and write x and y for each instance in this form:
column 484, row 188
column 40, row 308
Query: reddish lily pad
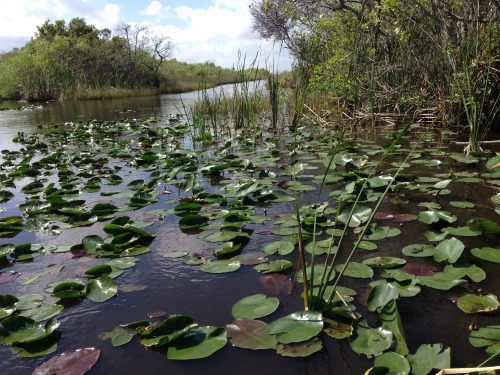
column 74, row 362
column 276, row 283
column 5, row 277
column 419, row 269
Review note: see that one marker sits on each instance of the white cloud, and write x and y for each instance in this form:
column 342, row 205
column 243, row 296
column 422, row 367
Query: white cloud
column 111, row 14
column 153, row 9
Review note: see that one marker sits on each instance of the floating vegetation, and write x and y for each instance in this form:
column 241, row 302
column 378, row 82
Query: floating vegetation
column 106, row 182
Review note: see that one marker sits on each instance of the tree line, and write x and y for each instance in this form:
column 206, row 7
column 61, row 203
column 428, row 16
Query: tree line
column 75, row 60
column 382, row 55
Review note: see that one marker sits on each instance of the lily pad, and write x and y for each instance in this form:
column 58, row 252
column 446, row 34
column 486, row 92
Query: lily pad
column 449, row 250
column 471, row 303
column 255, row 306
column 42, row 313
column 274, row 266
column 198, row 343
column 73, row 362
column 428, row 358
column 487, row 253
column 296, row 327
column 250, row 334
column 488, row 337
column 276, row 283
column 371, row 341
column 221, row 266
column 434, row 216
column 393, row 362
column 101, row 289
column 355, row 269
column 280, row 247
column 302, row 349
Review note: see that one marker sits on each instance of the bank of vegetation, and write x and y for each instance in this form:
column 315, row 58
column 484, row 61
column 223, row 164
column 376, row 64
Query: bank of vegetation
column 393, row 58
column 76, row 60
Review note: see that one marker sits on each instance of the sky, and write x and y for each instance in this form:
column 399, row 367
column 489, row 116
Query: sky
column 201, row 30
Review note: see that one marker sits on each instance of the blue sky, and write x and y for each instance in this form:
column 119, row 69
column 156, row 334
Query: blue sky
column 201, row 30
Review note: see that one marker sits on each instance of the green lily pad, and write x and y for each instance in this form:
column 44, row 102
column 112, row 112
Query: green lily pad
column 198, row 343
column 192, row 221
column 472, row 303
column 433, row 216
column 428, row 358
column 279, row 265
column 441, row 281
column 68, row 289
column 387, row 262
column 166, row 331
column 7, row 305
column 418, row 250
column 25, row 330
column 301, row 349
column 487, row 253
column 338, row 330
column 29, row 301
column 280, row 247
column 381, row 295
column 255, row 306
column 371, row 341
column 176, row 254
column 250, row 334
column 462, row 204
column 460, row 231
column 36, row 348
column 355, row 215
column 355, row 269
column 484, row 226
column 221, row 266
column 393, row 362
column 488, row 337
column 317, row 277
column 449, row 250
column 42, row 313
column 296, row 327
column 101, row 289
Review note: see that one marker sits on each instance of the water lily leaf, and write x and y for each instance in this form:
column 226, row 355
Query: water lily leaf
column 462, row 204
column 317, row 276
column 484, row 226
column 486, row 336
column 355, row 215
column 433, row 216
column 280, row 247
column 493, row 163
column 164, row 332
column 367, row 245
column 42, row 313
column 381, row 295
column 227, row 248
column 29, row 301
column 73, row 362
column 449, row 250
column 123, row 263
column 338, row 330
column 371, row 341
column 419, row 269
column 442, row 184
column 7, row 305
column 393, row 362
column 472, row 271
column 487, row 253
column 92, row 244
column 5, row 277
column 276, row 283
column 251, row 259
column 250, row 334
column 467, row 159
column 428, row 358
column 274, row 266
column 255, row 306
column 221, row 266
column 355, row 269
column 198, row 343
column 296, row 327
column 460, row 231
column 68, row 289
column 471, row 303
column 101, row 289
column 418, row 250
column 387, row 262
column 24, row 330
column 36, row 348
column 101, row 269
column 175, row 254
column 192, row 221
column 226, row 234
column 279, row 196
column 302, row 349
column 5, row 250
column 441, row 281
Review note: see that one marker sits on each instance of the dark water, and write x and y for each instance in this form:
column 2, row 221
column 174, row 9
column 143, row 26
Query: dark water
column 157, row 283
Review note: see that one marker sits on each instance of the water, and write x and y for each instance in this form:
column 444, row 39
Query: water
column 157, row 283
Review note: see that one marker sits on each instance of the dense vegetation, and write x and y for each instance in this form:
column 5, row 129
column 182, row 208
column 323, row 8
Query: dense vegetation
column 78, row 61
column 393, row 55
